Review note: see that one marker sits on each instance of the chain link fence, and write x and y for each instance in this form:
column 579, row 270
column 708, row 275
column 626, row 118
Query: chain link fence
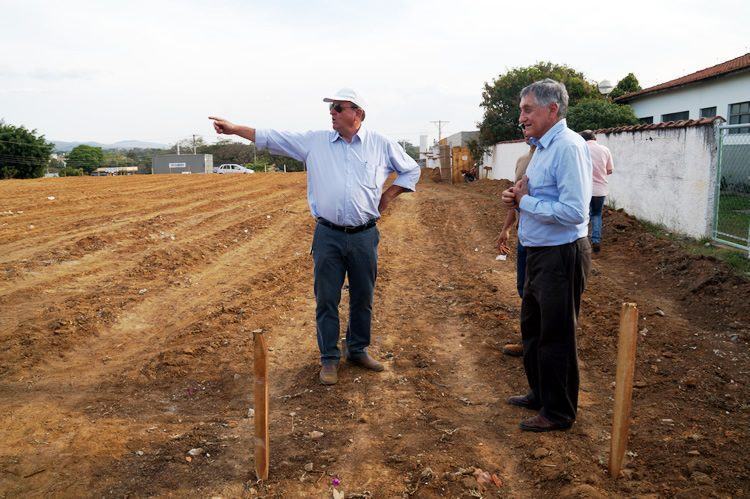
column 732, row 211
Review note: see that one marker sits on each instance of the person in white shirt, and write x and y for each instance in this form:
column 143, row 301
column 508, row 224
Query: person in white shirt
column 346, row 170
column 601, row 158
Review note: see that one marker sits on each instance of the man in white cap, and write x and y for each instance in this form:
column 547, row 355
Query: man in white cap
column 346, row 170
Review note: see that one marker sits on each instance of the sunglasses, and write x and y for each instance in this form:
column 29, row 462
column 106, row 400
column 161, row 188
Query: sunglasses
column 339, row 108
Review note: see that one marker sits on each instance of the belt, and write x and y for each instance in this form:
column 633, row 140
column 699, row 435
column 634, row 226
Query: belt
column 348, row 229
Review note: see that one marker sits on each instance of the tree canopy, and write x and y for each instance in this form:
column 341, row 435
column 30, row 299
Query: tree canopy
column 23, row 153
column 500, row 99
column 625, row 86
column 586, row 106
column 89, row 158
column 592, row 114
column 410, row 149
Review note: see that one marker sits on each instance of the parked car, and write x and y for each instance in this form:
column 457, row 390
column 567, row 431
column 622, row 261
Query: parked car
column 232, row 168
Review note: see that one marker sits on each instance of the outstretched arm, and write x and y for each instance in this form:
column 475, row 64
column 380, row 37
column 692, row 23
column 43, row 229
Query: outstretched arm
column 227, row 127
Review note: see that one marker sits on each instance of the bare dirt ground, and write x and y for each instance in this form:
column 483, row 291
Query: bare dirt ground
column 126, row 311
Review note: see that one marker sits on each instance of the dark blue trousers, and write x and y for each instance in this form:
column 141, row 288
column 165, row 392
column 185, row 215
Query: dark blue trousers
column 338, row 255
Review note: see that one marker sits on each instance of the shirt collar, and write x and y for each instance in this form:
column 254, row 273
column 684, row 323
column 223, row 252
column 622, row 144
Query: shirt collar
column 548, row 137
column 334, row 135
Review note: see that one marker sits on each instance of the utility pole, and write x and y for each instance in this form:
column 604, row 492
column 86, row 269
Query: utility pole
column 194, row 151
column 440, row 128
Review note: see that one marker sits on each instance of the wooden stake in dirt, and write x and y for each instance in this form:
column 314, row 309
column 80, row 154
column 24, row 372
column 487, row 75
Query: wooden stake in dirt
column 260, row 391
column 623, row 386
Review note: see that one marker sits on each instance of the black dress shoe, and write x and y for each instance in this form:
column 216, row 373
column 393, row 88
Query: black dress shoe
column 539, row 423
column 525, row 401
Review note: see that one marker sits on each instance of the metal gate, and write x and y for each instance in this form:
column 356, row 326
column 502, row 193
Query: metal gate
column 732, row 210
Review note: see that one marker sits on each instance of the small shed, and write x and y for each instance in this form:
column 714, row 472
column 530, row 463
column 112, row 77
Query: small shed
column 183, row 163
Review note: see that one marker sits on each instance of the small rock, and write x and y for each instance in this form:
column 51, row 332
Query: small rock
column 315, row 435
column 659, row 312
column 699, row 465
column 309, row 467
column 142, row 291
column 695, row 437
column 250, row 413
column 694, row 453
column 591, row 478
column 582, row 491
column 140, row 452
column 470, row 482
column 51, row 198
column 362, row 419
column 701, row 478
column 540, row 452
column 197, row 451
column 257, row 330
column 426, row 475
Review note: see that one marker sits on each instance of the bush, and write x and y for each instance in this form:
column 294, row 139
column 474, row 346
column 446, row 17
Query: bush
column 70, row 171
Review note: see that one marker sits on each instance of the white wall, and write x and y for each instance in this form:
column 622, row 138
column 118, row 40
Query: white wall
column 720, row 93
column 666, row 176
column 502, row 158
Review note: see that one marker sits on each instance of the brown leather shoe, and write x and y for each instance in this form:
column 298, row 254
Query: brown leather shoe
column 525, row 401
column 513, row 349
column 329, row 374
column 362, row 360
column 367, row 362
column 539, row 423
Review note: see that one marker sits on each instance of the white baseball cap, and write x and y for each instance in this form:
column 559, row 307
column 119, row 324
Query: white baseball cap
column 347, row 94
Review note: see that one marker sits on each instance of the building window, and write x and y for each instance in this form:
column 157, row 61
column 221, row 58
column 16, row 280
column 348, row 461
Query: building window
column 708, row 112
column 682, row 115
column 646, row 121
column 739, row 113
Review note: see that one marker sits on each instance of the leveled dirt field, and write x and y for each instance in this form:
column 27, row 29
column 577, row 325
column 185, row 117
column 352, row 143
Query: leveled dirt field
column 126, row 311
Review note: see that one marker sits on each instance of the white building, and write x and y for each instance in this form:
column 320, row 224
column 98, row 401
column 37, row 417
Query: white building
column 721, row 90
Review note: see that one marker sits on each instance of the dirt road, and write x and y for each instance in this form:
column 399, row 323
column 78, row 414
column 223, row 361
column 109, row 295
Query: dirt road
column 126, row 311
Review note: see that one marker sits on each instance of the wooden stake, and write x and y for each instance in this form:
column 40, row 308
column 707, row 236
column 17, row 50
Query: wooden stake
column 260, row 391
column 623, row 386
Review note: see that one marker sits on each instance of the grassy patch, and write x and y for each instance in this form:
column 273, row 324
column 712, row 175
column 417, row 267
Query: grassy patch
column 736, row 259
column 734, row 217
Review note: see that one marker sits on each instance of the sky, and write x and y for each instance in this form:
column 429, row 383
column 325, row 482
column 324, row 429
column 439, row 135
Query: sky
column 155, row 70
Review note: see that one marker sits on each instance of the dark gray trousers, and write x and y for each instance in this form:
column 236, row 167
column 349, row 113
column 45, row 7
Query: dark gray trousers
column 338, row 255
column 555, row 280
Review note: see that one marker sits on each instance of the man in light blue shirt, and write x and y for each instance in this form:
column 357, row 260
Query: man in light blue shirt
column 346, row 170
column 553, row 201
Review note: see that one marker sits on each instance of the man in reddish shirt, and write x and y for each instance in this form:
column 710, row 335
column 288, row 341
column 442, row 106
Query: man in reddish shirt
column 601, row 159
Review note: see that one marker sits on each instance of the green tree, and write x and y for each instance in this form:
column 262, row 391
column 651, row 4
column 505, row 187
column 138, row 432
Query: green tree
column 501, row 98
column 410, row 149
column 592, row 114
column 70, row 172
column 23, row 153
column 477, row 152
column 625, row 86
column 88, row 158
column 116, row 158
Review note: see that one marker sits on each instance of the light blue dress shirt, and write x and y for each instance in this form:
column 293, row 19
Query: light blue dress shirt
column 344, row 180
column 556, row 210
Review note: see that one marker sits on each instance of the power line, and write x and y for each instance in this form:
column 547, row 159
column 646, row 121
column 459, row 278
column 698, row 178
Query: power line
column 440, row 127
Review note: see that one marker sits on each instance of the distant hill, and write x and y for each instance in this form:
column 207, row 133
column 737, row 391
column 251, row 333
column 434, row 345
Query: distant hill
column 61, row 146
